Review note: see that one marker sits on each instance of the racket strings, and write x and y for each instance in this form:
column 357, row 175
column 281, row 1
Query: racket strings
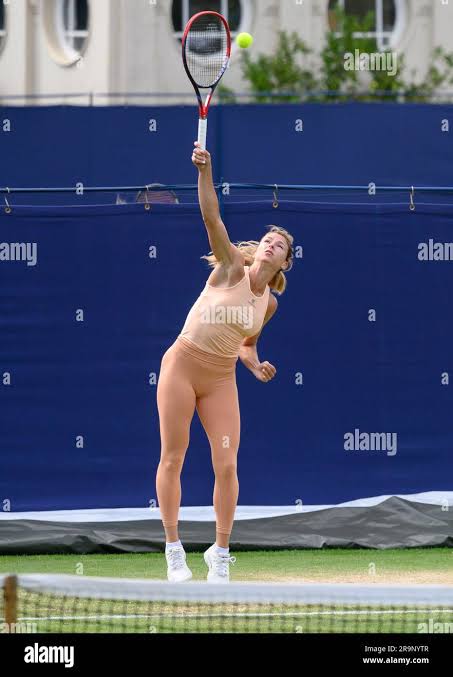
column 206, row 50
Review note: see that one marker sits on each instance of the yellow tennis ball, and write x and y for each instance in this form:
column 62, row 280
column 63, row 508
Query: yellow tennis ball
column 244, row 40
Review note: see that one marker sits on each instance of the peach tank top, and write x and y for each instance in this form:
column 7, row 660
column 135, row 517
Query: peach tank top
column 221, row 318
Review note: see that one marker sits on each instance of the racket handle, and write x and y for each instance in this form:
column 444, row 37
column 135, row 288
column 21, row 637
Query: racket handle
column 202, row 132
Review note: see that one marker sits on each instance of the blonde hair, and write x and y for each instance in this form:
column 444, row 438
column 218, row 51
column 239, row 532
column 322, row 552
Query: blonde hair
column 248, row 249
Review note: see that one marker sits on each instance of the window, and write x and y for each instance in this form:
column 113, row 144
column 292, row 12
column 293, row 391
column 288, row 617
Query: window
column 390, row 18
column 182, row 10
column 72, row 26
column 66, row 24
column 2, row 25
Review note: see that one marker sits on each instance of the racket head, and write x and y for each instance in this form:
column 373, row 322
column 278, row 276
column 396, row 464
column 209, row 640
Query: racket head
column 206, row 52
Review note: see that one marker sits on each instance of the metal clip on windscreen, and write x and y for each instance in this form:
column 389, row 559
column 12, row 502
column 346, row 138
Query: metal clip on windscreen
column 275, row 202
column 411, row 195
column 8, row 209
column 147, row 205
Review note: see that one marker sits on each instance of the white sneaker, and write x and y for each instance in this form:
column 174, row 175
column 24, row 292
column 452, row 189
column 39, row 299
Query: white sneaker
column 218, row 565
column 177, row 570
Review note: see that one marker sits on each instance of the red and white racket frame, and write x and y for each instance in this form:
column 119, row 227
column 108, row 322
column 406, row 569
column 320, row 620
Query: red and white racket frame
column 204, row 107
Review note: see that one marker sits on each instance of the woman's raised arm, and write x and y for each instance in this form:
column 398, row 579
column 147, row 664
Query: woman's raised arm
column 224, row 251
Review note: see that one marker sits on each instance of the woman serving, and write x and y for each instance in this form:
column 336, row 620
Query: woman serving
column 198, row 371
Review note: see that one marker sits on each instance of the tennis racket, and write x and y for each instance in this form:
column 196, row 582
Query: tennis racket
column 206, row 51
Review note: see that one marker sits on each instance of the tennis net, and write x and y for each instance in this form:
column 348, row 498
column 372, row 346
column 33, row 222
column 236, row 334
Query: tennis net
column 46, row 603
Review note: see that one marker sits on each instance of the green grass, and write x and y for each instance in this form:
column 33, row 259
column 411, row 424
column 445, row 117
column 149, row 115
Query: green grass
column 413, row 564
column 54, row 614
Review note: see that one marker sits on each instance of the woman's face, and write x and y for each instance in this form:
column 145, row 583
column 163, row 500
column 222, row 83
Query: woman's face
column 274, row 249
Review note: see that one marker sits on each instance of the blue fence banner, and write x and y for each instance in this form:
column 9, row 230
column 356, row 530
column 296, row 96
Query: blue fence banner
column 92, row 296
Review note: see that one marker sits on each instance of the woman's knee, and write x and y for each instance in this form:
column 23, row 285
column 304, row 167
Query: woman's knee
column 172, row 462
column 225, row 468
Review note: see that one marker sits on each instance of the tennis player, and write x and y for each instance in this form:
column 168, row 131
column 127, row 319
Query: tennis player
column 198, row 371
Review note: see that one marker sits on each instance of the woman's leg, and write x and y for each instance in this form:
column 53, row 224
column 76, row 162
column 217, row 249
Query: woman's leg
column 219, row 414
column 176, row 405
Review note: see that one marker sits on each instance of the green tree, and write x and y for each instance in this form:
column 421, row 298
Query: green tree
column 280, row 72
column 333, row 76
column 440, row 73
column 283, row 73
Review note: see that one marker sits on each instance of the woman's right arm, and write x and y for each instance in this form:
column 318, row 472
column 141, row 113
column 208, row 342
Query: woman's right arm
column 224, row 251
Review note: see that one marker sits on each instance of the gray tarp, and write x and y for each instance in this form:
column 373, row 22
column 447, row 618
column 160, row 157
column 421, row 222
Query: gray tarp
column 394, row 523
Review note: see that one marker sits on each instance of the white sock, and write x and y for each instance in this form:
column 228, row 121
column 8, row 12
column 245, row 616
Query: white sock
column 172, row 545
column 222, row 551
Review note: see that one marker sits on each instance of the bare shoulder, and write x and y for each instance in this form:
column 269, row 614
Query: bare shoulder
column 228, row 274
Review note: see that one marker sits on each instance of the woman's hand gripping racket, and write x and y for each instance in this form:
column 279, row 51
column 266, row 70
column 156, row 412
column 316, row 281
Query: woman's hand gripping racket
column 206, row 51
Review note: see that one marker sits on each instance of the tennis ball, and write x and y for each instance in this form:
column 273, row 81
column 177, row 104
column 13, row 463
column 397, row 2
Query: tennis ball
column 244, row 40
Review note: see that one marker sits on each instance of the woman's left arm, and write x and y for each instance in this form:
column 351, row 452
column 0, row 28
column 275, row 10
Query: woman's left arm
column 264, row 371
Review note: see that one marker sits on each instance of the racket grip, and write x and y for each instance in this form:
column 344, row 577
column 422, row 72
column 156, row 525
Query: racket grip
column 202, row 132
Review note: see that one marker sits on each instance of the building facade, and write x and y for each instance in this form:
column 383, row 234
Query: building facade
column 95, row 51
